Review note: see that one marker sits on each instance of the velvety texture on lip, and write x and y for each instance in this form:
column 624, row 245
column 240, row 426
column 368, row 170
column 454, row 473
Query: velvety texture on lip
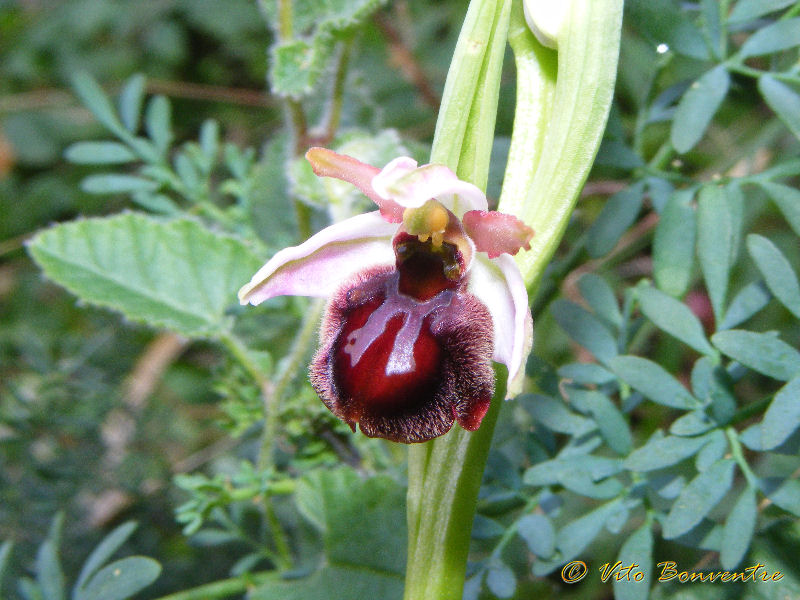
column 402, row 368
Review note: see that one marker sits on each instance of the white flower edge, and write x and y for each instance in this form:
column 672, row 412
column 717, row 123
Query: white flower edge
column 318, row 266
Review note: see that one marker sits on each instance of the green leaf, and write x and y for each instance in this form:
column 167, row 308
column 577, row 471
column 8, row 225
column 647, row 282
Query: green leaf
column 660, row 452
column 675, row 318
column 99, row 153
column 750, row 299
column 787, row 199
column 121, row 579
column 613, row 426
column 747, row 10
column 638, row 550
column 782, row 417
column 775, row 37
column 104, row 550
column 111, row 183
column 586, row 373
column 786, row 494
column 692, row 423
column 297, row 66
column 577, row 535
column 653, row 381
column 158, row 122
column 5, row 554
column 673, row 245
column 712, row 385
column 585, row 328
column 714, row 450
column 698, row 498
column 95, row 99
column 717, row 236
column 344, row 507
column 697, row 108
column 538, row 533
column 49, row 576
column 551, row 472
column 176, row 274
column 130, row 102
column 761, row 352
column 501, row 580
column 778, row 274
column 596, row 291
column 618, row 214
column 783, row 100
column 738, row 530
column 553, row 414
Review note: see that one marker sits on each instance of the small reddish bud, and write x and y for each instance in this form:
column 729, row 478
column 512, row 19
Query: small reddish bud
column 407, row 351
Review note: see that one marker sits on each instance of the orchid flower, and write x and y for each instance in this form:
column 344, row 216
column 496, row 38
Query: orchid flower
column 424, row 295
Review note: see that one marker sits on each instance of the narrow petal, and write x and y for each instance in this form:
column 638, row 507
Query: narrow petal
column 497, row 233
column 319, row 265
column 499, row 285
column 412, row 187
column 327, row 163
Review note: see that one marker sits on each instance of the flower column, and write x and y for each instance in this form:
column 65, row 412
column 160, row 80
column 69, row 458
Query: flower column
column 551, row 153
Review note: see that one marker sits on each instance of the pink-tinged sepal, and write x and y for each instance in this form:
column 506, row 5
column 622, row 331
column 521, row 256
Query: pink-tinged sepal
column 317, row 266
column 327, row 163
column 497, row 233
column 411, row 186
column 499, row 285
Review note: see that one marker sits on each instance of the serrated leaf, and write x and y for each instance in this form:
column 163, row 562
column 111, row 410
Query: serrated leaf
column 750, row 299
column 697, row 108
column 99, row 153
column 176, row 274
column 585, row 328
column 104, row 550
column 637, row 550
column 613, row 426
column 673, row 245
column 777, row 36
column 787, row 199
column 746, row 10
column 501, row 580
column 717, row 237
column 158, row 123
column 618, row 214
column 596, row 291
column 130, row 102
column 111, row 183
column 95, row 99
column 343, row 507
column 653, row 381
column 777, row 272
column 698, row 498
column 783, row 100
column 297, row 66
column 675, row 318
column 761, row 352
column 538, row 533
column 782, row 417
column 738, row 530
column 660, row 452
column 121, row 579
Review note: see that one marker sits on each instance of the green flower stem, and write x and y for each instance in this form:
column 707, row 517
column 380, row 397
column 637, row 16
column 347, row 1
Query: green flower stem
column 445, row 474
column 550, row 157
column 543, row 192
column 738, row 456
column 444, row 477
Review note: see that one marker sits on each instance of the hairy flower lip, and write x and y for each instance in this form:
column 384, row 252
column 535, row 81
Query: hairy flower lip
column 318, row 266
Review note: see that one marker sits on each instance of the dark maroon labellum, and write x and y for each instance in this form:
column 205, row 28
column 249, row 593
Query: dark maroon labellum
column 407, row 351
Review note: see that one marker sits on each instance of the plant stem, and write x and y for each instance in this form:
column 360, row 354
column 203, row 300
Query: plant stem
column 738, row 456
column 224, row 588
column 334, row 109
